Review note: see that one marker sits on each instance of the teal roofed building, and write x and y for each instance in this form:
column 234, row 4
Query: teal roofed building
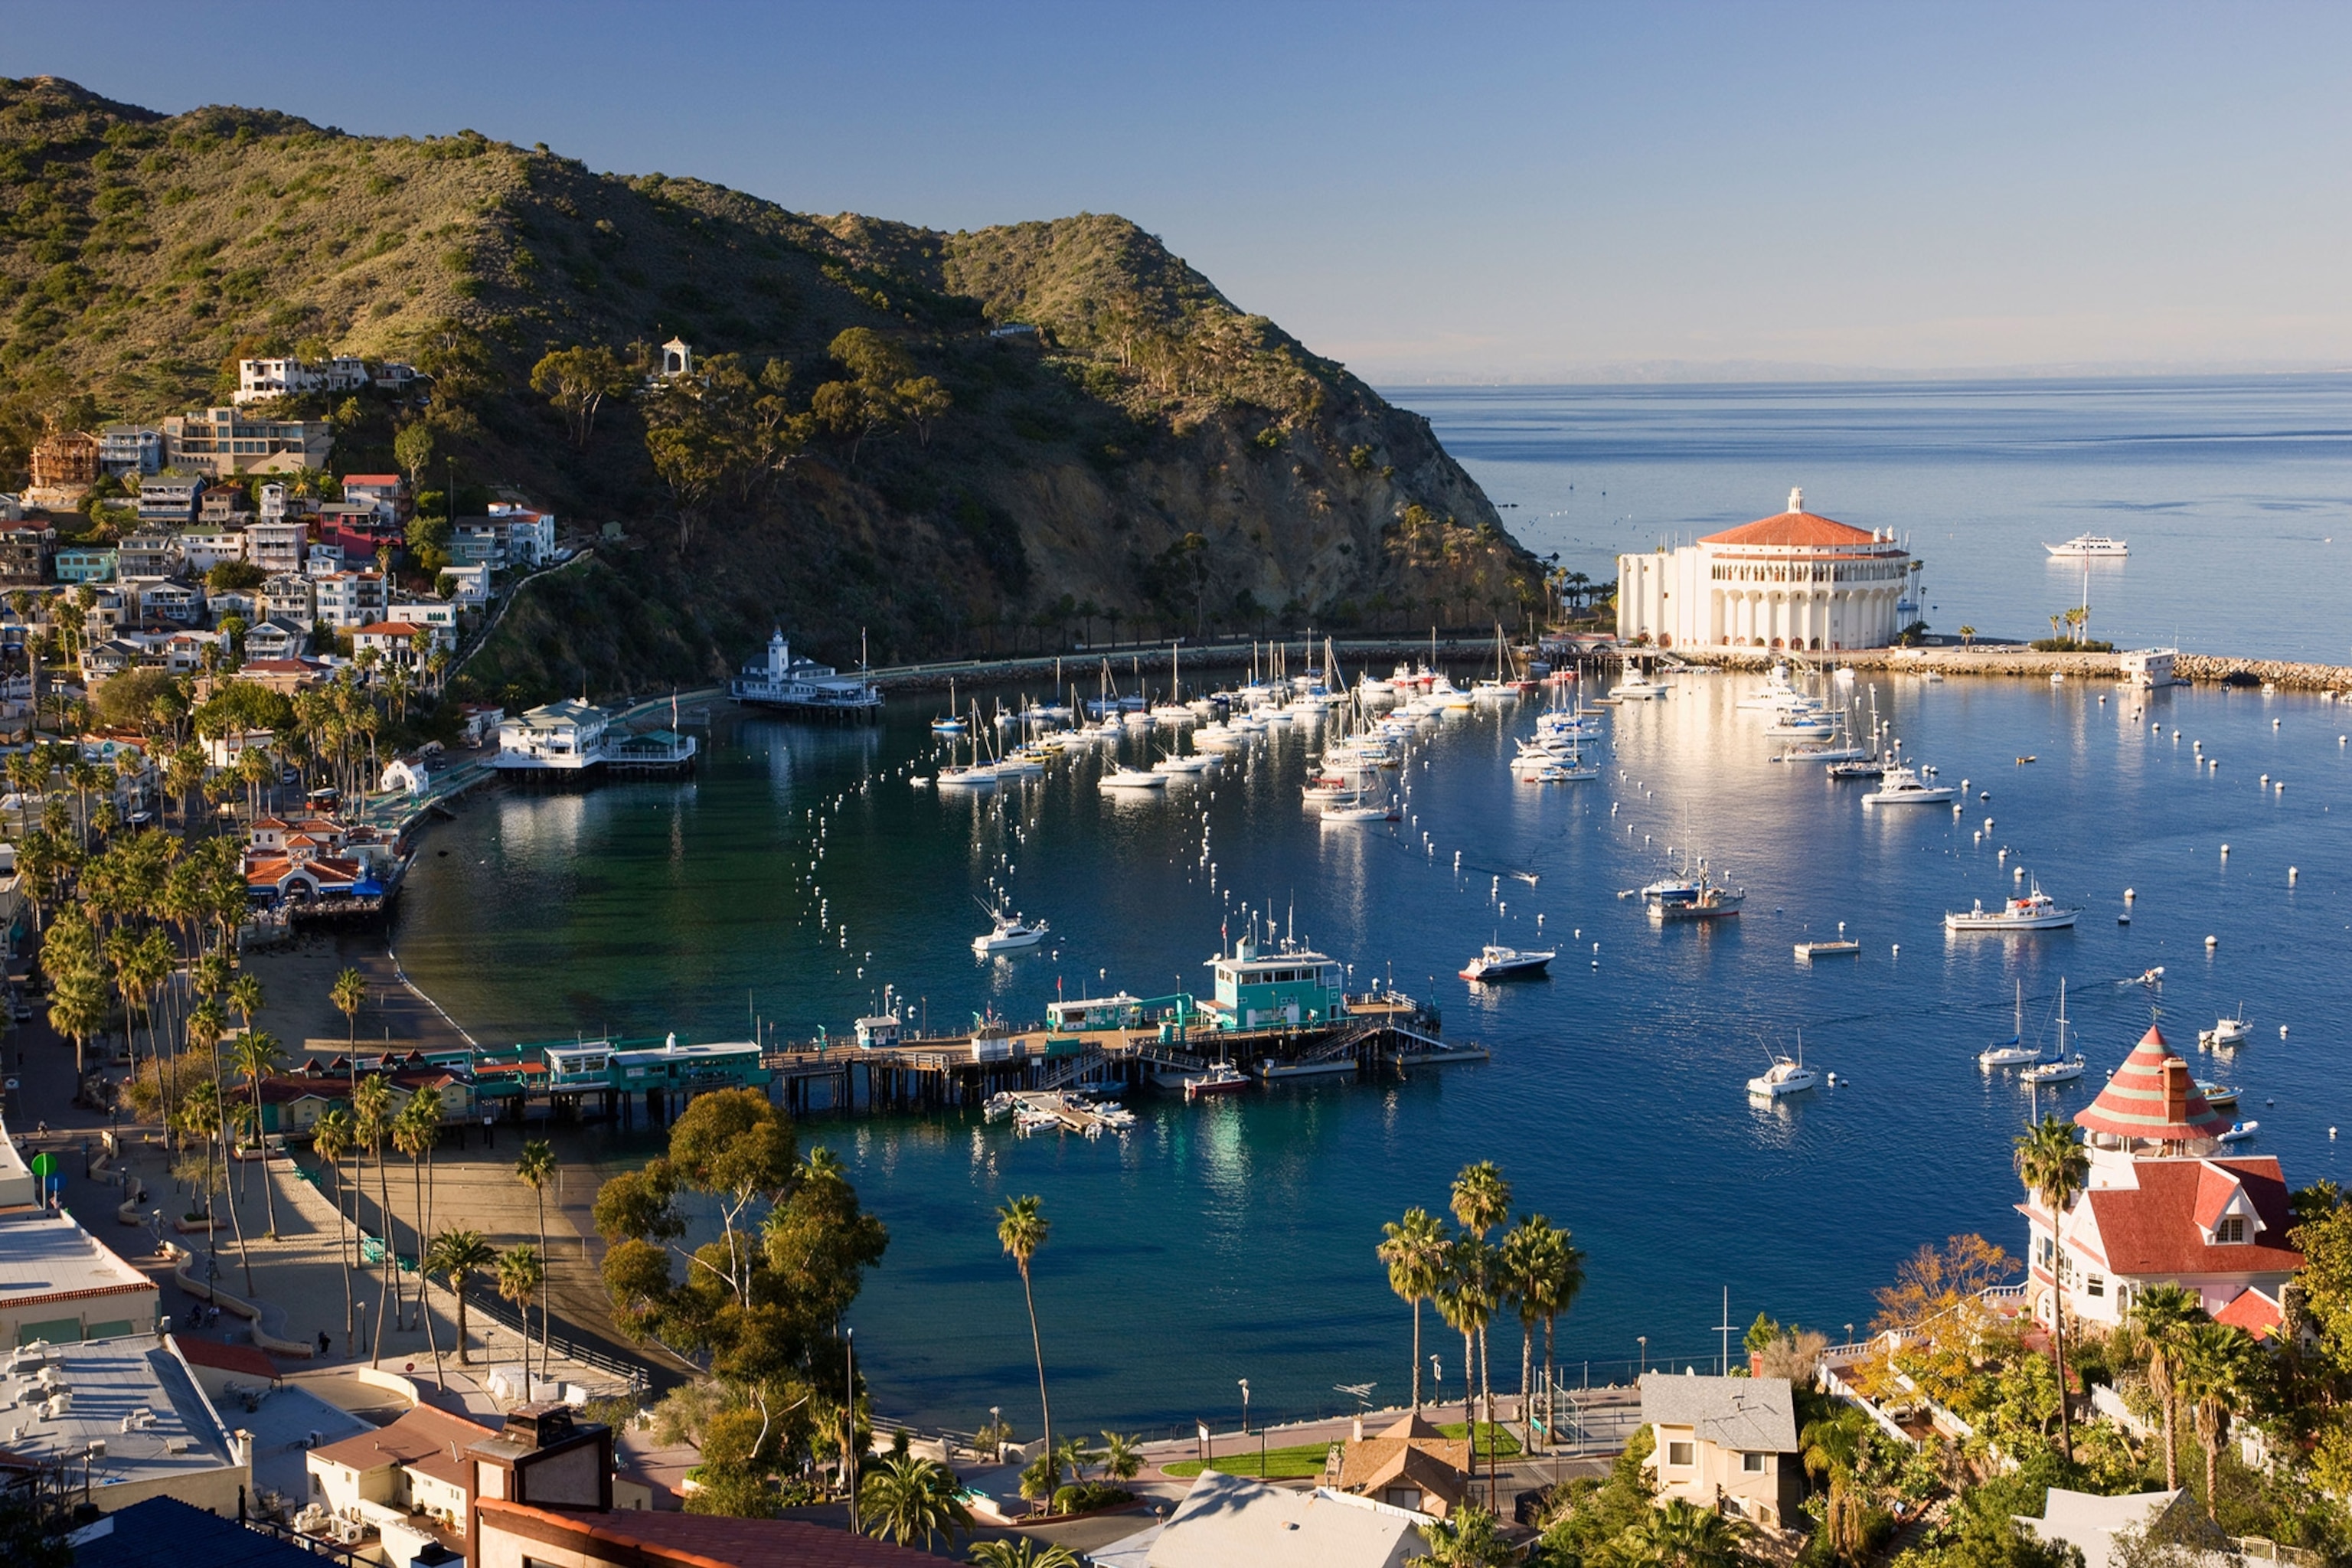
column 1259, row 991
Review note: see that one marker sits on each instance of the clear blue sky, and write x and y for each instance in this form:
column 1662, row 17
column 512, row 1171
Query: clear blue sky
column 1441, row 189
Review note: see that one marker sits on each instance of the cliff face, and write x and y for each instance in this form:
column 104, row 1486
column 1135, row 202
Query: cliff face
column 1144, row 453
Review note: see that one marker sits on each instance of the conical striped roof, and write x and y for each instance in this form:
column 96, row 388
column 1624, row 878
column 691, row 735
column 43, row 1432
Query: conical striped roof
column 2153, row 1097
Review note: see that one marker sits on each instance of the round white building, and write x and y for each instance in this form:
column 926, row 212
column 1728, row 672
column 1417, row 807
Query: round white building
column 1796, row 580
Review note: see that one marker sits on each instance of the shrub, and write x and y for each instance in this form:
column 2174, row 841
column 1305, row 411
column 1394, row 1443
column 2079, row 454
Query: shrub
column 1085, row 1496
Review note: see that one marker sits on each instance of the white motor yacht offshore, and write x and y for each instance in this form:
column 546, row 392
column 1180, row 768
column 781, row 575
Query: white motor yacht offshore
column 2036, row 911
column 2090, row 546
column 1008, row 934
column 1494, row 964
column 1784, row 1077
column 1900, row 785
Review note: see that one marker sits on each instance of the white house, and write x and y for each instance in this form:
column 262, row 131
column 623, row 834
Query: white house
column 223, row 751
column 1726, row 1443
column 2164, row 1206
column 560, row 737
column 276, row 639
column 469, row 586
column 1795, row 580
column 350, row 599
column 393, row 643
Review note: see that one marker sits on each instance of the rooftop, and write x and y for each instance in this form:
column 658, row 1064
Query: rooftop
column 1750, row 1415
column 165, row 1532
column 2153, row 1098
column 50, row 1258
column 1230, row 1519
column 430, row 1440
column 1795, row 528
column 704, row 1540
column 133, row 1395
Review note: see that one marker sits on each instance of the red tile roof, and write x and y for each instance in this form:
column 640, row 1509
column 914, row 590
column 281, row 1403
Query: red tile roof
column 350, row 479
column 2153, row 1098
column 2254, row 1311
column 244, row 1359
column 2153, row 1230
column 1802, row 529
column 702, row 1541
column 387, row 629
column 422, row 1437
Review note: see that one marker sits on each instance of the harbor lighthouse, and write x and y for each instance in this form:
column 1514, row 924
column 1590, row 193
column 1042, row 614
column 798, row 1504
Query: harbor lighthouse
column 1795, row 580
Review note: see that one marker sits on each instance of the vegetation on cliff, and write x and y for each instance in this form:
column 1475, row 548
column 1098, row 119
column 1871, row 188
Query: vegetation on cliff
column 864, row 445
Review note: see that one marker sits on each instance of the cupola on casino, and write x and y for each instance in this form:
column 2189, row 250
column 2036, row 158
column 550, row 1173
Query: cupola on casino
column 1794, row 581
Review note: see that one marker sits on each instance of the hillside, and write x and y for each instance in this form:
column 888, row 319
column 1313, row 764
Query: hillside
column 1151, row 458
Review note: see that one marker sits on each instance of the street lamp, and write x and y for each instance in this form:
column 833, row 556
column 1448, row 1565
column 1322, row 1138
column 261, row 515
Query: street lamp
column 1645, row 1351
column 1244, row 1383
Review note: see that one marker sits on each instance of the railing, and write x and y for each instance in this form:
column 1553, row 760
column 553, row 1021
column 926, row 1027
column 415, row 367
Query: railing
column 637, row 1376
column 1835, row 1385
column 1074, row 1068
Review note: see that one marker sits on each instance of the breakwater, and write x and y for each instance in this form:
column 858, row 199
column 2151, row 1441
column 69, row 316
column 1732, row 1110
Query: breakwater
column 2015, row 661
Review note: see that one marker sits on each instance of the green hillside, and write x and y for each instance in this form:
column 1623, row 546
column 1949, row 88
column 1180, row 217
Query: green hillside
column 1150, row 454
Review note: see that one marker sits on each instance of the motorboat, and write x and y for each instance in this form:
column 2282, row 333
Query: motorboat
column 1900, row 785
column 1009, row 933
column 1223, row 1079
column 2239, row 1132
column 2227, row 1034
column 2036, row 911
column 1784, row 1077
column 2090, row 546
column 2220, row 1095
column 1125, row 778
column 1494, row 964
column 1691, row 899
column 1634, row 688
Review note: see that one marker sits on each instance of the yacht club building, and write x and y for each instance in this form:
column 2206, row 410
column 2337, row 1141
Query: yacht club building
column 1795, row 580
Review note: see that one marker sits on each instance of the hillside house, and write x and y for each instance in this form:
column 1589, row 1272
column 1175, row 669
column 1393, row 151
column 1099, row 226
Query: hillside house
column 1726, row 1443
column 64, row 465
column 275, row 639
column 25, row 549
column 347, row 600
column 169, row 501
column 397, row 645
column 84, row 563
column 386, row 493
column 127, row 450
column 222, row 441
column 1409, row 1466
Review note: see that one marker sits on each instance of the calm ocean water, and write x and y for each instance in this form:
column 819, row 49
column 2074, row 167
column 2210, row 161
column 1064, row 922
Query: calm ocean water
column 2235, row 493
column 1234, row 1240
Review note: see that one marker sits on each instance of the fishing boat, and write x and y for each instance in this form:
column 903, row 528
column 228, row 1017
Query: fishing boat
column 2227, row 1034
column 2090, row 547
column 1223, row 1079
column 2036, row 911
column 1008, row 934
column 1784, row 1077
column 2220, row 1095
column 1900, row 785
column 1692, row 899
column 1496, row 964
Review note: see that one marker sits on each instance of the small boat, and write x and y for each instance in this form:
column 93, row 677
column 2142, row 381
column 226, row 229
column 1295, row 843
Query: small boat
column 2090, row 546
column 1009, row 933
column 1900, row 785
column 1124, row 778
column 2220, row 1095
column 1223, row 1079
column 1341, row 814
column 1494, row 964
column 2239, row 1132
column 1784, row 1077
column 2227, row 1034
column 2147, row 977
column 1633, row 688
column 2037, row 910
column 1861, row 768
column 2007, row 1054
column 950, row 722
column 1686, row 899
column 1809, row 951
column 2058, row 1072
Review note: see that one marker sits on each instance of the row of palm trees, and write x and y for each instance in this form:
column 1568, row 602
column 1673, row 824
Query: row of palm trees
column 1535, row 1271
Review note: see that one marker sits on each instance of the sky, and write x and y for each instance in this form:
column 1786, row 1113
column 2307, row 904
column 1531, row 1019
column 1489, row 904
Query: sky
column 1445, row 191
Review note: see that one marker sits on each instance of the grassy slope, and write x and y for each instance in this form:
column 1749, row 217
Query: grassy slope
column 141, row 254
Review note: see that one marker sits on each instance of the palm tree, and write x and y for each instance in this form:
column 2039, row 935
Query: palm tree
column 2164, row 1314
column 456, row 1256
column 1540, row 1272
column 77, row 1007
column 414, row 1139
column 2215, row 1374
column 1467, row 1540
column 349, row 993
column 1021, row 1552
column 1021, row 1227
column 2054, row 1167
column 521, row 1275
column 908, row 1499
column 1833, row 1446
column 244, row 995
column 257, row 1056
column 1462, row 1308
column 536, row 1169
column 371, row 1110
column 1415, row 1250
column 1681, row 1534
column 333, row 1137
column 1122, row 1459
column 1481, row 1200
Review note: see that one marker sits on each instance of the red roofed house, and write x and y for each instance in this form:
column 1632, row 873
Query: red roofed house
column 394, row 643
column 2164, row 1206
column 1796, row 580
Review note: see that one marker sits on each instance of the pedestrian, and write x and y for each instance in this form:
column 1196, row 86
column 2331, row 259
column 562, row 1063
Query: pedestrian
column 324, row 1344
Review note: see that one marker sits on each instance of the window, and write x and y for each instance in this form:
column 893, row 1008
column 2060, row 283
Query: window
column 2233, row 1229
column 1754, row 1464
column 2095, row 1285
column 1679, row 1454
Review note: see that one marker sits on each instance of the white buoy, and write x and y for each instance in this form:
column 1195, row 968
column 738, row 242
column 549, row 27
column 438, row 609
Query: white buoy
column 1596, row 947
column 2225, row 852
column 2266, row 781
column 2274, row 723
column 2130, row 893
column 2281, row 1031
column 2018, row 875
column 2211, row 942
column 1987, row 825
column 2290, row 876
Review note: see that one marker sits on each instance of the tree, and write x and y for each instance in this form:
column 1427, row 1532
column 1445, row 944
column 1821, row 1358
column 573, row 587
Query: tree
column 456, row 1256
column 1540, row 1273
column 2052, row 1163
column 536, row 1169
column 413, row 1138
column 1470, row 1539
column 2164, row 1314
column 1415, row 1250
column 2217, row 1370
column 1968, row 636
column 1481, row 1200
column 1681, row 1534
column 1021, row 1552
column 372, row 1116
column 257, row 1056
column 1834, row 1447
column 923, row 400
column 77, row 1009
column 907, row 1499
column 577, row 380
column 333, row 1137
column 412, row 448
column 1122, row 1458
column 348, row 994
column 1021, row 1230
column 521, row 1278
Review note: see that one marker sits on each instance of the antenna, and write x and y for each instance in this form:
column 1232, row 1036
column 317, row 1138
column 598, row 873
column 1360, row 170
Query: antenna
column 1723, row 1328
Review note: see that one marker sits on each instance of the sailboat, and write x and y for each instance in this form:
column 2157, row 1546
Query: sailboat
column 2013, row 1051
column 2061, row 1068
column 977, row 775
column 1174, row 710
column 1502, row 687
column 951, row 722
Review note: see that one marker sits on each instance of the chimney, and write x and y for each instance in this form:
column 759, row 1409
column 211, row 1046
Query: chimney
column 2175, row 1090
column 540, row 1425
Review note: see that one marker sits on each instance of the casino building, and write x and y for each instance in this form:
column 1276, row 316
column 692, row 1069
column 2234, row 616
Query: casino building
column 1793, row 581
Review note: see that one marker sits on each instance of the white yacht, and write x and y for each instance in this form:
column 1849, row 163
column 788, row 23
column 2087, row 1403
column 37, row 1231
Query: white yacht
column 2090, row 545
column 1009, row 934
column 1900, row 785
column 1636, row 689
column 2061, row 1070
column 2009, row 1053
column 1784, row 1077
column 1494, row 964
column 2227, row 1034
column 1124, row 778
column 2037, row 910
